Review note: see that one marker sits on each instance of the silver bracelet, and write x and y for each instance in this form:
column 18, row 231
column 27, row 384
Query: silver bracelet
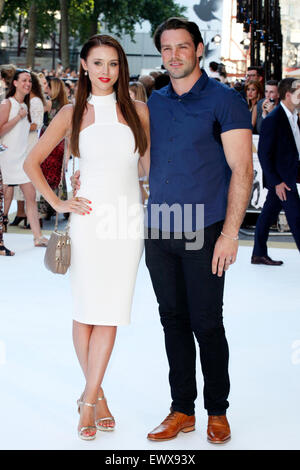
column 230, row 238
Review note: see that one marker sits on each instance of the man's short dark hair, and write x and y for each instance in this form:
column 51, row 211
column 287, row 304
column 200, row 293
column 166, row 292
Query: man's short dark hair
column 259, row 70
column 214, row 66
column 286, row 85
column 178, row 23
column 272, row 82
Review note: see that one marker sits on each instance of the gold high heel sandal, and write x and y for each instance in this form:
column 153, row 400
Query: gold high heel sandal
column 81, row 431
column 98, row 422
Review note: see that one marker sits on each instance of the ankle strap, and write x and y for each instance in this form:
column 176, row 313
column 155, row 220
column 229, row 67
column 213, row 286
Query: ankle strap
column 92, row 405
column 101, row 398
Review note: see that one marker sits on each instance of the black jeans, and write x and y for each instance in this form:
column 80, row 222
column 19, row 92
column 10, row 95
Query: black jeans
column 190, row 302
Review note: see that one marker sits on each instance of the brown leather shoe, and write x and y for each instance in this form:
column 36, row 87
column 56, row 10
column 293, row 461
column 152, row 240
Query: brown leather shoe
column 171, row 426
column 265, row 260
column 218, row 429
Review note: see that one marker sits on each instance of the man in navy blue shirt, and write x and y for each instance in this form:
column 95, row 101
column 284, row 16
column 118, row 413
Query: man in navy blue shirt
column 201, row 157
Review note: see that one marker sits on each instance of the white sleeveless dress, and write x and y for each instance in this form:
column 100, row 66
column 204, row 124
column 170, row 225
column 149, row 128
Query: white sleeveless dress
column 12, row 160
column 107, row 244
column 37, row 116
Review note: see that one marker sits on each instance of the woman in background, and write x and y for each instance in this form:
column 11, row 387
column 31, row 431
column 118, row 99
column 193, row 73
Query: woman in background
column 137, row 91
column 15, row 122
column 37, row 104
column 254, row 92
column 58, row 95
column 46, row 93
column 3, row 250
column 4, row 82
column 52, row 166
column 6, row 75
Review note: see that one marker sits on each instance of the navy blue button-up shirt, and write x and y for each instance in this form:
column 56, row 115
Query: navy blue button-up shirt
column 188, row 164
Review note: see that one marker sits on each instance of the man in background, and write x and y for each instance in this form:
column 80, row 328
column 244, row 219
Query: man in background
column 279, row 154
column 254, row 73
column 268, row 103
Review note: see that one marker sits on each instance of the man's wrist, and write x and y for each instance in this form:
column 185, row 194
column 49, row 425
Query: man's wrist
column 229, row 236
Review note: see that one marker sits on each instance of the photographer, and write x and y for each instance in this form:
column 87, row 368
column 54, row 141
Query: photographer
column 267, row 104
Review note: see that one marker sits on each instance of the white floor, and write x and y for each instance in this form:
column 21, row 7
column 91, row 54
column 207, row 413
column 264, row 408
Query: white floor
column 40, row 379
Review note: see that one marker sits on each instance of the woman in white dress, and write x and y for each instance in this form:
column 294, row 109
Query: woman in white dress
column 37, row 103
column 15, row 123
column 108, row 131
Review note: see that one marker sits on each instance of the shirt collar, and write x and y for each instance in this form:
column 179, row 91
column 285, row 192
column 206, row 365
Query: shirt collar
column 195, row 90
column 289, row 114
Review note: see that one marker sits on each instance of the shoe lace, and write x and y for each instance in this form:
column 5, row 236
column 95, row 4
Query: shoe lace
column 170, row 416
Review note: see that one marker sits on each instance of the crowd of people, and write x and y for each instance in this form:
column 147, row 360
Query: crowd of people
column 201, row 155
column 49, row 92
column 261, row 96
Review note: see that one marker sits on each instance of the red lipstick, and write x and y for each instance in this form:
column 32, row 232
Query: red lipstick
column 104, row 79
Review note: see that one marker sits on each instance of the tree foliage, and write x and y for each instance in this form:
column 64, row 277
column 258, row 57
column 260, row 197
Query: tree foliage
column 83, row 18
column 119, row 16
column 17, row 11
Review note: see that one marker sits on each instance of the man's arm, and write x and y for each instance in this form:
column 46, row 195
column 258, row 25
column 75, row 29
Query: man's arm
column 266, row 155
column 237, row 144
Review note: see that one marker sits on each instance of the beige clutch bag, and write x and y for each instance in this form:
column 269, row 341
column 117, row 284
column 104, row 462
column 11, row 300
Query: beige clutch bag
column 58, row 252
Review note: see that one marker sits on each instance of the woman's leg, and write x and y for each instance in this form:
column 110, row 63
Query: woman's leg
column 100, row 349
column 21, row 209
column 3, row 251
column 31, row 209
column 8, row 197
column 93, row 345
column 81, row 340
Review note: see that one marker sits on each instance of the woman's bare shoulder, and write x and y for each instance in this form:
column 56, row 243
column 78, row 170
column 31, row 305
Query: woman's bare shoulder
column 65, row 114
column 67, row 110
column 5, row 103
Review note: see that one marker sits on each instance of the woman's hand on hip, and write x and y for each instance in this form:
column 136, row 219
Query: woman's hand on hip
column 79, row 205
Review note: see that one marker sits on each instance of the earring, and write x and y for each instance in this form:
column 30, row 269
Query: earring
column 86, row 73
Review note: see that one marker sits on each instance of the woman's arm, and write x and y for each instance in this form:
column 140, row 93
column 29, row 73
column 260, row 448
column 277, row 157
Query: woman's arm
column 67, row 151
column 32, row 166
column 5, row 124
column 144, row 161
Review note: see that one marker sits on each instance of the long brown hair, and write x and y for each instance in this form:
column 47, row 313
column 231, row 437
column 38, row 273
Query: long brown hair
column 139, row 91
column 58, row 92
column 122, row 95
column 36, row 88
column 260, row 92
column 12, row 90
